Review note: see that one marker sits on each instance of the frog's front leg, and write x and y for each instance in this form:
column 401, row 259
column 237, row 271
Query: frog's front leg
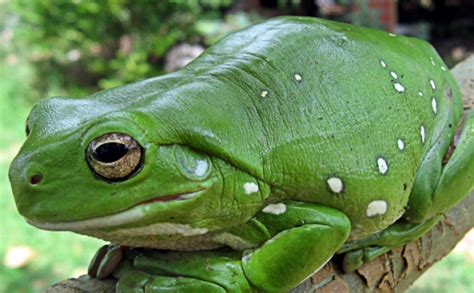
column 304, row 237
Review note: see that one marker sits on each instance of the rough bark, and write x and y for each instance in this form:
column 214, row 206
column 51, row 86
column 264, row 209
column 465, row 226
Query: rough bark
column 394, row 271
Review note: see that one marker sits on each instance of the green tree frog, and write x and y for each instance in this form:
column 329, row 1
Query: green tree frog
column 282, row 145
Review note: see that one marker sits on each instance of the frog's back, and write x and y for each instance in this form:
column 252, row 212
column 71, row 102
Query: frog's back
column 323, row 112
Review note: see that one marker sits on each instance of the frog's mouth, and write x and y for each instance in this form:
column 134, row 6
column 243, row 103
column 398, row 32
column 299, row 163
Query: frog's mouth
column 128, row 216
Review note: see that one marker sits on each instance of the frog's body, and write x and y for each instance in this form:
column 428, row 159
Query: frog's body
column 295, row 126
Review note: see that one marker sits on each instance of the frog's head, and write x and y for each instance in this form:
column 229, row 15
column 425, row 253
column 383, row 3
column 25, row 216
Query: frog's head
column 94, row 169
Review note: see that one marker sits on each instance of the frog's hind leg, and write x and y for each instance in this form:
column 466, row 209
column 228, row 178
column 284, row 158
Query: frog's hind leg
column 445, row 177
column 437, row 188
column 457, row 178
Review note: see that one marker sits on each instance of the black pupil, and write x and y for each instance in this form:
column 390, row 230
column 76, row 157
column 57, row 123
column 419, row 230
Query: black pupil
column 110, row 152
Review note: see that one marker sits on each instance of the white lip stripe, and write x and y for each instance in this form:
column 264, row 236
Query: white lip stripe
column 128, row 216
column 131, row 215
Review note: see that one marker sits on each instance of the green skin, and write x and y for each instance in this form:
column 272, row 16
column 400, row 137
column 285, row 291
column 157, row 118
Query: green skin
column 289, row 141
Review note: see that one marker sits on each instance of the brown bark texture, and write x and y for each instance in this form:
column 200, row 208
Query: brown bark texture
column 394, row 271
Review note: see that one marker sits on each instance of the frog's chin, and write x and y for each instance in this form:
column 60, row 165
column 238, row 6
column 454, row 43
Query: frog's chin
column 131, row 215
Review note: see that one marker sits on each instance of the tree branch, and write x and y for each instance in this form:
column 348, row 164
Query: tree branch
column 393, row 271
column 399, row 268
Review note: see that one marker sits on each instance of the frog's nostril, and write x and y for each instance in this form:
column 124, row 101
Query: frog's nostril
column 36, row 178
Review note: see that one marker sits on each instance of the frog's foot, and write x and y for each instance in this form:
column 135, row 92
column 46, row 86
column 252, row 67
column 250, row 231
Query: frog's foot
column 367, row 249
column 457, row 178
column 137, row 281
column 106, row 260
column 356, row 258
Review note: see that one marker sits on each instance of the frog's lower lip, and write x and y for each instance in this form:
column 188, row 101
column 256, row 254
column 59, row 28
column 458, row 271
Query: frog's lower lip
column 128, row 216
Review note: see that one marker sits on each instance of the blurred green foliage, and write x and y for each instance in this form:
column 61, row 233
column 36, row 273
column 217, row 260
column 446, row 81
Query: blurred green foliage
column 71, row 252
column 78, row 45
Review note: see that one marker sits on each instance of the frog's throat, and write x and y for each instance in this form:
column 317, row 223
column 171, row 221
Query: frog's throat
column 131, row 215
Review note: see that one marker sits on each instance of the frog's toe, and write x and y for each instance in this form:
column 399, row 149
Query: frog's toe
column 105, row 261
column 353, row 260
column 133, row 281
column 95, row 261
column 138, row 282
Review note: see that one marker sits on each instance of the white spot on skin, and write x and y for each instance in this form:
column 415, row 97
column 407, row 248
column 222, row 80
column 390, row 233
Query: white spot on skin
column 250, row 188
column 443, row 68
column 392, row 35
column 188, row 195
column 201, row 168
column 401, row 144
column 276, row 209
column 393, row 74
column 434, row 105
column 433, row 85
column 383, row 166
column 422, row 133
column 298, row 77
column 420, row 94
column 383, row 63
column 432, row 61
column 335, row 184
column 376, row 207
column 264, row 94
column 398, row 87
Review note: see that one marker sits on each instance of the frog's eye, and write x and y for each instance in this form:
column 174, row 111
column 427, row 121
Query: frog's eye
column 114, row 156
